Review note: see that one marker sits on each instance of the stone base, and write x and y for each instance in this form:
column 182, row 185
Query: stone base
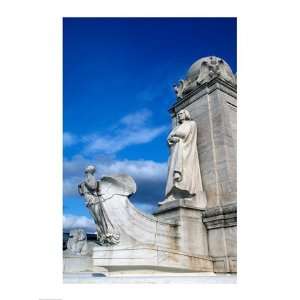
column 178, row 278
column 167, row 206
column 225, row 264
column 221, row 223
column 148, row 258
column 187, row 214
column 77, row 264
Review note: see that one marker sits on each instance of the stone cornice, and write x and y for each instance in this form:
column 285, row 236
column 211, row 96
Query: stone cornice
column 220, row 216
column 176, row 204
column 205, row 88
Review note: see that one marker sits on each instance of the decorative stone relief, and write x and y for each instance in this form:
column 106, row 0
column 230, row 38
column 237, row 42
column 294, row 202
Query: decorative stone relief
column 203, row 71
column 180, row 88
column 77, row 242
column 212, row 67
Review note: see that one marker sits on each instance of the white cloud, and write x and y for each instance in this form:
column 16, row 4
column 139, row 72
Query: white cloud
column 136, row 119
column 138, row 169
column 69, row 139
column 70, row 185
column 132, row 129
column 74, row 222
column 123, row 139
column 75, row 166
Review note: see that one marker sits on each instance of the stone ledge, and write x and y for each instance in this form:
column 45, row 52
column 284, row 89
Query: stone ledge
column 181, row 203
column 206, row 88
column 220, row 216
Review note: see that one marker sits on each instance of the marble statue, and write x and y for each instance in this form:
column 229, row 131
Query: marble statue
column 184, row 178
column 90, row 188
column 77, row 242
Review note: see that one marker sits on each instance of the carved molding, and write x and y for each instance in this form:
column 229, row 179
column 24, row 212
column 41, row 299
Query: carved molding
column 220, row 216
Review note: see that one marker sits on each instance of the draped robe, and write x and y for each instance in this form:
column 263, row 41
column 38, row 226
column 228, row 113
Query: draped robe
column 184, row 160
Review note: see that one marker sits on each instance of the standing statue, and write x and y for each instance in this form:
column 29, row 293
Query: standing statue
column 184, row 178
column 91, row 190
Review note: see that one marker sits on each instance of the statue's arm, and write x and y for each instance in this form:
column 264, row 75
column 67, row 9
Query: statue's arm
column 185, row 131
column 172, row 138
column 175, row 137
column 80, row 189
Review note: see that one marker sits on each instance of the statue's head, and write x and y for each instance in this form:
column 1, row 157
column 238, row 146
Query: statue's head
column 90, row 170
column 183, row 115
column 77, row 242
column 77, row 235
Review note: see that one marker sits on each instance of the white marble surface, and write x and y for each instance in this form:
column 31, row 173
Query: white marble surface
column 192, row 278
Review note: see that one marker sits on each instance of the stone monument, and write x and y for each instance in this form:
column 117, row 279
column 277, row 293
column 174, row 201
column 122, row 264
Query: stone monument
column 209, row 94
column 194, row 227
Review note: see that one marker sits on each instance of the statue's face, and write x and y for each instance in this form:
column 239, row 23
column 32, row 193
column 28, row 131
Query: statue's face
column 90, row 170
column 181, row 116
column 77, row 235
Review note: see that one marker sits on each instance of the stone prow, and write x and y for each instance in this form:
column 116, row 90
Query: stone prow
column 135, row 227
column 147, row 241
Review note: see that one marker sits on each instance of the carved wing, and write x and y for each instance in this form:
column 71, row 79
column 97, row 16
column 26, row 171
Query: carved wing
column 117, row 185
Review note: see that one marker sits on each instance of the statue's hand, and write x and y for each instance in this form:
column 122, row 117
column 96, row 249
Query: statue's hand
column 173, row 140
column 177, row 176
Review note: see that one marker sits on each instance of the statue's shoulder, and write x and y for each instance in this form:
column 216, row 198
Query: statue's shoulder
column 191, row 123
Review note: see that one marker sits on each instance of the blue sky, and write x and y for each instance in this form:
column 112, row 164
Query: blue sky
column 117, row 88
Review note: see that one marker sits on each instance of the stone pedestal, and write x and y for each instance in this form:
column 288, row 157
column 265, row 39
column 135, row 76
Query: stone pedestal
column 221, row 224
column 192, row 234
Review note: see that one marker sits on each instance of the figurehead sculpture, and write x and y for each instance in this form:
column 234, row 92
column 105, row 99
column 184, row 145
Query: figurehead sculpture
column 91, row 190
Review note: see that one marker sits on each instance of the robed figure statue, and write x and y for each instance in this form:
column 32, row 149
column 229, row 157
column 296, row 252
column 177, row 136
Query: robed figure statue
column 91, row 190
column 184, row 177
